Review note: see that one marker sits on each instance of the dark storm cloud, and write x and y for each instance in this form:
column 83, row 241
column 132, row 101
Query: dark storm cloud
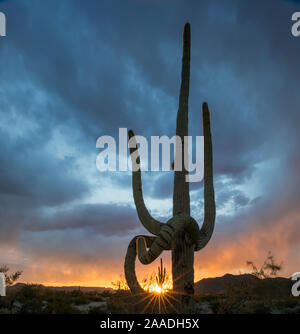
column 99, row 69
column 103, row 219
column 37, row 176
column 86, row 69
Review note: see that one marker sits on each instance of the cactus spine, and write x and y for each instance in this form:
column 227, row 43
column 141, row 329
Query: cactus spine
column 180, row 234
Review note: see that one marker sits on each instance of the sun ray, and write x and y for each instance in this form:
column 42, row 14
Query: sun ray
column 169, row 302
column 148, row 304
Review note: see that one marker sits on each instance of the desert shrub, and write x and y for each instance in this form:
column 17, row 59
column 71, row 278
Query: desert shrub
column 96, row 310
column 268, row 269
column 95, row 296
column 209, row 297
column 10, row 279
column 60, row 306
column 120, row 303
column 106, row 293
column 120, row 284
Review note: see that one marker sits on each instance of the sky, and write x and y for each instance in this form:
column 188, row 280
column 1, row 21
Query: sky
column 71, row 71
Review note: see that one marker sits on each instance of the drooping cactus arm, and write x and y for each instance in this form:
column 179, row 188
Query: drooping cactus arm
column 209, row 195
column 129, row 266
column 151, row 224
column 181, row 197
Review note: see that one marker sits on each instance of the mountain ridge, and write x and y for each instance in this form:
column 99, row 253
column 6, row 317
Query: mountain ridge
column 221, row 284
column 99, row 289
column 211, row 285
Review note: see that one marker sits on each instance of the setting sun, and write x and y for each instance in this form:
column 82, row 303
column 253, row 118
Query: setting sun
column 152, row 286
column 157, row 289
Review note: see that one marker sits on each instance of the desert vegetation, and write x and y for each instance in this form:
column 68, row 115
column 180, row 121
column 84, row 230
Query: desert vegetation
column 10, row 278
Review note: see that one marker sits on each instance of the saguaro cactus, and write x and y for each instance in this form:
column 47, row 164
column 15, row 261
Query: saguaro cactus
column 161, row 275
column 181, row 234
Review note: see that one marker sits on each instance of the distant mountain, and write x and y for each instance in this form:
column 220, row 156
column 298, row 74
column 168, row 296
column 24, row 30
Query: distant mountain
column 277, row 285
column 66, row 288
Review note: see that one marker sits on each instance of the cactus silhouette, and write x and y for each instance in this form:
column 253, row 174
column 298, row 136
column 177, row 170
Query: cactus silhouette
column 161, row 276
column 180, row 234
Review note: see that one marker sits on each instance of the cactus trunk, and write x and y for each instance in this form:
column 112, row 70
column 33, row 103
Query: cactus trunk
column 182, row 253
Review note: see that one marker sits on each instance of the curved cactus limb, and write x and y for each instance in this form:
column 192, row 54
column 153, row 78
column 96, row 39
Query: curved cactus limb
column 209, row 195
column 165, row 237
column 151, row 224
column 129, row 265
